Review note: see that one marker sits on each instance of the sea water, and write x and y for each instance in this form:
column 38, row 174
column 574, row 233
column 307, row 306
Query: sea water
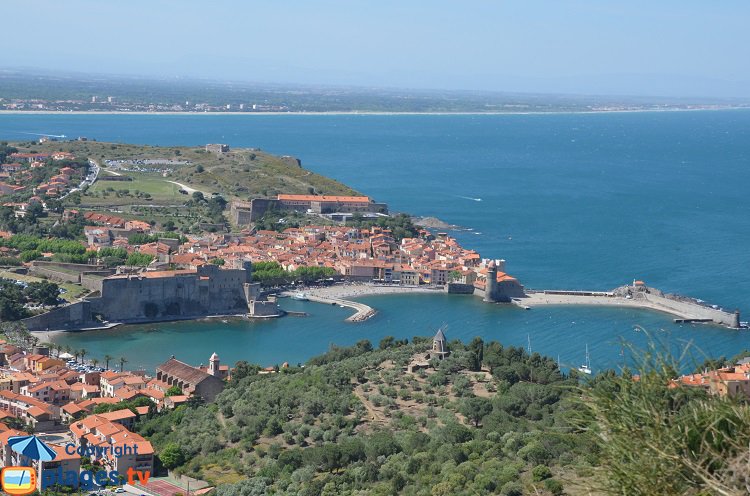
column 571, row 201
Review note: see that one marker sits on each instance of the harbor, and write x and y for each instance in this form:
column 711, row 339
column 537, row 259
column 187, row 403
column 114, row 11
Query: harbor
column 684, row 310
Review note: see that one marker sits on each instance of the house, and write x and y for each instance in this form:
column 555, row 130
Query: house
column 32, row 411
column 9, row 189
column 111, row 381
column 72, row 412
column 127, row 450
column 47, row 471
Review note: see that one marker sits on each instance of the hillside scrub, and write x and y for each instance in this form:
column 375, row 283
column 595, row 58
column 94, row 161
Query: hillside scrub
column 304, row 431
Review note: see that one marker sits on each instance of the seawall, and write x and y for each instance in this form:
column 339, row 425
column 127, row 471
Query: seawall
column 683, row 308
column 362, row 311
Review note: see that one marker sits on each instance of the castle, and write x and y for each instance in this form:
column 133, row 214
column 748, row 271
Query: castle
column 163, row 296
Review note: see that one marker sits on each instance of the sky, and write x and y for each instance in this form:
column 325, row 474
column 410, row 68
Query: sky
column 652, row 48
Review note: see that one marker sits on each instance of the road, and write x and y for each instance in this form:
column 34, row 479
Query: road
column 90, row 179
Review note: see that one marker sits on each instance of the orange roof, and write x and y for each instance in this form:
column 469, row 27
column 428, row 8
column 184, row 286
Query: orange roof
column 35, row 411
column 10, row 433
column 349, row 199
column 72, row 408
column 125, row 413
column 62, row 454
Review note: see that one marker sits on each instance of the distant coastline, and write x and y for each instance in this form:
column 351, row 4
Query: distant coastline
column 366, row 112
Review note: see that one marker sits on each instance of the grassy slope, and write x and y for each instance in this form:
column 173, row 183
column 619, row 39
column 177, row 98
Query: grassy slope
column 241, row 173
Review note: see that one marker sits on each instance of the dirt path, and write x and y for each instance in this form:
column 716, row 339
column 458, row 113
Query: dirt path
column 374, row 415
column 187, row 188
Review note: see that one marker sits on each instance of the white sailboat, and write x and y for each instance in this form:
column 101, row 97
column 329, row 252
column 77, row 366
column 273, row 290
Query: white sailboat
column 586, row 367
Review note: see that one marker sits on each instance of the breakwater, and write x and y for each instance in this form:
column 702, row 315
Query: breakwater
column 684, row 309
column 362, row 311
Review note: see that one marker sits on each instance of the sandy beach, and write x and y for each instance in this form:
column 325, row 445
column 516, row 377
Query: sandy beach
column 341, row 295
column 359, row 290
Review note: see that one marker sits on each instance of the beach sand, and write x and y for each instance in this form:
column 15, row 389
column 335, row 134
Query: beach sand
column 359, row 290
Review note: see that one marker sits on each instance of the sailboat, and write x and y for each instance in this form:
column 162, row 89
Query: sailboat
column 586, row 367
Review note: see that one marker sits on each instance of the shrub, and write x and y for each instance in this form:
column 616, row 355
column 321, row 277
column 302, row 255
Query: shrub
column 554, row 486
column 540, row 473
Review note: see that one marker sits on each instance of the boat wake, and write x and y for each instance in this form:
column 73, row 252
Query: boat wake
column 469, row 198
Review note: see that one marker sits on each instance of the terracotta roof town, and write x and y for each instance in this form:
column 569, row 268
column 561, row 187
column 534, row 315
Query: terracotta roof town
column 43, row 393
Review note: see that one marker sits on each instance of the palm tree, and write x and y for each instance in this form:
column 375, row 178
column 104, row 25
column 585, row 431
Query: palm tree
column 82, row 352
column 76, row 354
column 68, row 349
column 94, row 362
column 123, row 361
column 107, row 358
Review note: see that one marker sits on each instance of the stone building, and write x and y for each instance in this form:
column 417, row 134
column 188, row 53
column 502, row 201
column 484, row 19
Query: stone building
column 163, row 296
column 439, row 350
column 498, row 286
column 243, row 212
column 439, row 346
column 196, row 381
column 217, row 148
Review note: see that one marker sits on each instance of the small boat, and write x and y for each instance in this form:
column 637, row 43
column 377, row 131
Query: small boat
column 300, row 296
column 224, row 321
column 586, row 367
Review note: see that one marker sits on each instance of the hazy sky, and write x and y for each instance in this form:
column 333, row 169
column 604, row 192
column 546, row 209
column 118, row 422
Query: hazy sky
column 653, row 47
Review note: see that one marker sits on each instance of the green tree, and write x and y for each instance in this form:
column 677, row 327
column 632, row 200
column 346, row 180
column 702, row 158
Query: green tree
column 172, row 456
column 173, row 391
column 476, row 408
column 43, row 292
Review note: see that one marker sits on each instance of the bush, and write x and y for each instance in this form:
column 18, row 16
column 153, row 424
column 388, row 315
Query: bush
column 540, row 473
column 554, row 486
column 512, row 489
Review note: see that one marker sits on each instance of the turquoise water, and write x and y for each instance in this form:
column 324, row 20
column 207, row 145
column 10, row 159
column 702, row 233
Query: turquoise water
column 574, row 201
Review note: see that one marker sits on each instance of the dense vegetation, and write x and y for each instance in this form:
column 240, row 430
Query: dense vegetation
column 273, row 274
column 354, row 421
column 13, row 298
column 400, row 225
column 487, row 420
column 657, row 439
column 38, row 223
column 32, row 247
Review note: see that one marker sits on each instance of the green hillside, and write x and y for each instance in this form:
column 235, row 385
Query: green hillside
column 354, row 421
column 239, row 173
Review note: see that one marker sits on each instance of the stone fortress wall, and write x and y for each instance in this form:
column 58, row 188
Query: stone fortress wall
column 163, row 296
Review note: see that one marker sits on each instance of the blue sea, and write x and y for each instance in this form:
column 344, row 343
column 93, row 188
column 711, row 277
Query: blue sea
column 571, row 201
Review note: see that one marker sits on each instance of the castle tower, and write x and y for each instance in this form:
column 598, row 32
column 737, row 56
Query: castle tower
column 440, row 345
column 490, row 288
column 213, row 365
column 248, row 266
